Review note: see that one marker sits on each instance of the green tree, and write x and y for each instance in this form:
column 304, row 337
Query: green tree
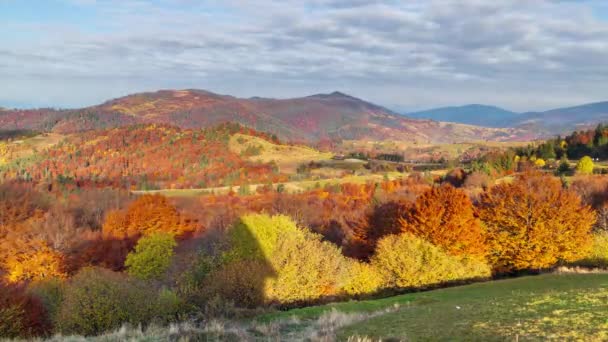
column 585, row 166
column 152, row 256
column 564, row 165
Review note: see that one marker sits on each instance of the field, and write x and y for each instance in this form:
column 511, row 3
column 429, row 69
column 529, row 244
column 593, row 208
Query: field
column 287, row 157
column 546, row 307
column 27, row 146
column 562, row 307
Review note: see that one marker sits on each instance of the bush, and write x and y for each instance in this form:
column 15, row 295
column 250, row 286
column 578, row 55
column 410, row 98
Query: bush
column 585, row 166
column 170, row 307
column 98, row 300
column 533, row 223
column 50, row 293
column 362, row 279
column 21, row 314
column 445, row 217
column 152, row 256
column 598, row 255
column 406, row 261
column 242, row 282
column 292, row 265
column 477, row 179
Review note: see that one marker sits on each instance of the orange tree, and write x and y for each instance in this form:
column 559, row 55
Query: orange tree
column 146, row 215
column 533, row 223
column 445, row 217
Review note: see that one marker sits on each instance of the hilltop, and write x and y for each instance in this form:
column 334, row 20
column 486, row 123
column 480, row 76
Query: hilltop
column 333, row 116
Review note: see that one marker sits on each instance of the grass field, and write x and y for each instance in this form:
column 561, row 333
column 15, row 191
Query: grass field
column 559, row 307
column 567, row 307
column 287, row 157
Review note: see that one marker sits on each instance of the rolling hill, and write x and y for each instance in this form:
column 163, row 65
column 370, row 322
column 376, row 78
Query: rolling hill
column 333, row 116
column 473, row 114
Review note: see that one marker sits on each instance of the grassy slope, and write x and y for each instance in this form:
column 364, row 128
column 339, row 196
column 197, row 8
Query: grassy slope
column 563, row 307
column 287, row 157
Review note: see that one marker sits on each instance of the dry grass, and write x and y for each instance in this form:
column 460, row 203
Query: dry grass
column 287, row 157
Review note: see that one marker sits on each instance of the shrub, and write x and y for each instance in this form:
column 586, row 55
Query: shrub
column 306, row 269
column 585, row 166
column 242, row 281
column 532, row 223
column 291, row 264
column 50, row 293
column 408, row 261
column 598, row 255
column 98, row 300
column 362, row 279
column 477, row 179
column 444, row 216
column 152, row 256
column 170, row 307
column 21, row 314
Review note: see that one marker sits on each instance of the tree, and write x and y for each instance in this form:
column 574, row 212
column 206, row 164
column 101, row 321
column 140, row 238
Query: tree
column 444, row 216
column 152, row 256
column 564, row 165
column 540, row 163
column 146, row 215
column 36, row 262
column 533, row 223
column 585, row 166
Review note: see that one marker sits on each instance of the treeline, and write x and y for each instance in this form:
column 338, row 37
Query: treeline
column 592, row 143
column 91, row 260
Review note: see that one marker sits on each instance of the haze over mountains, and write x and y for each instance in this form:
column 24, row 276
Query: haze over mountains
column 312, row 118
column 554, row 121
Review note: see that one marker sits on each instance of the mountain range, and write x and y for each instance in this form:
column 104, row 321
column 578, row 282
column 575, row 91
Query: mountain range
column 550, row 122
column 333, row 116
column 472, row 114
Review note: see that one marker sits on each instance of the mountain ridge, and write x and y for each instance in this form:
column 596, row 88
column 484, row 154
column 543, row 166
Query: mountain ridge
column 332, row 116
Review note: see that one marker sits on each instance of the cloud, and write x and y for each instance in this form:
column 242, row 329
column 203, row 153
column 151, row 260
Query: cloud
column 519, row 54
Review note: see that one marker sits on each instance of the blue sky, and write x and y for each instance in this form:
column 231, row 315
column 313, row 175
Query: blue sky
column 520, row 54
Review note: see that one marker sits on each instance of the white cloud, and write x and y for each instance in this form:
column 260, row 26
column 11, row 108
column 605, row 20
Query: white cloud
column 519, row 54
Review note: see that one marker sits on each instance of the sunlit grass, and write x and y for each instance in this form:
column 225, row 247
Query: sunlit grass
column 562, row 307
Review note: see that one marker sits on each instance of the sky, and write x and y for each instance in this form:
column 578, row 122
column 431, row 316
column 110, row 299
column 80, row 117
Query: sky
column 523, row 55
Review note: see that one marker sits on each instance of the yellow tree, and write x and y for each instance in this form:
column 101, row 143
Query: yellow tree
column 35, row 262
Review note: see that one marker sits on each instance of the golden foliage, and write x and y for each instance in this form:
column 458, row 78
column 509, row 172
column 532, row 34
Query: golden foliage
column 445, row 217
column 36, row 262
column 146, row 215
column 533, row 223
column 408, row 261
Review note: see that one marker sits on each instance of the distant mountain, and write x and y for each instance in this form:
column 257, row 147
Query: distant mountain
column 564, row 120
column 312, row 118
column 473, row 114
